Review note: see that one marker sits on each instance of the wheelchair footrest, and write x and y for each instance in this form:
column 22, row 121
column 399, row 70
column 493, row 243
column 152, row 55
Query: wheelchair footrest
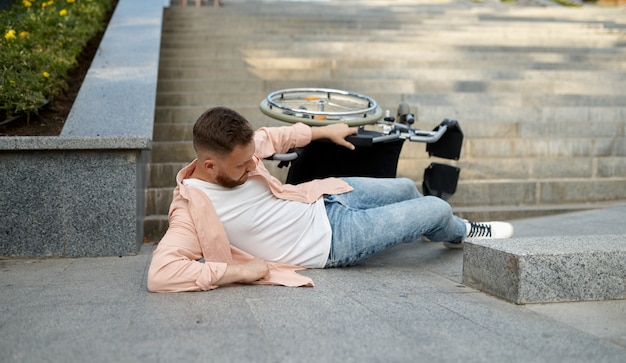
column 440, row 180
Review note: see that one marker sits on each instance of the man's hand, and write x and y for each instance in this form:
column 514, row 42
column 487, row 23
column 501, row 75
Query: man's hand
column 250, row 271
column 336, row 133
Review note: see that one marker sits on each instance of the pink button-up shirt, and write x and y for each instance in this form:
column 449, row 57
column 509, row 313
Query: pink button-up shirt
column 195, row 230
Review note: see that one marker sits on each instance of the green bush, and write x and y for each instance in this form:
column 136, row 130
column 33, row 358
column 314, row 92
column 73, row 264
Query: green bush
column 39, row 43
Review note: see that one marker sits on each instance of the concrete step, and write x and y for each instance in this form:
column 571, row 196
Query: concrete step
column 423, row 98
column 482, row 113
column 544, row 147
column 559, row 164
column 548, row 269
column 155, row 226
column 172, row 152
column 484, row 201
column 489, row 40
column 228, row 47
column 473, row 149
column 189, row 114
column 181, row 131
column 512, row 37
column 535, row 192
column 402, row 46
column 163, row 175
column 159, row 200
column 298, row 73
column 385, row 25
column 433, row 114
column 401, row 86
column 198, row 99
column 516, row 211
column 388, row 60
column 387, row 17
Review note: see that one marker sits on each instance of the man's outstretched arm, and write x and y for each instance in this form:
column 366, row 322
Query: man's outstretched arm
column 336, row 133
column 171, row 272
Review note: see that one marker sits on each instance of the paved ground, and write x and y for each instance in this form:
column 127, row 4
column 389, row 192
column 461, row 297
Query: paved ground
column 406, row 305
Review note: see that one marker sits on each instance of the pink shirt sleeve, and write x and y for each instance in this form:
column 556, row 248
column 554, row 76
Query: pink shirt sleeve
column 278, row 140
column 175, row 264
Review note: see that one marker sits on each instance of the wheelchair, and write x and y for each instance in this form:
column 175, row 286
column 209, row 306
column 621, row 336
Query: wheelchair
column 378, row 142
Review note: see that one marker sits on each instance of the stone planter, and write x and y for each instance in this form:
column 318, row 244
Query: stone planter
column 83, row 193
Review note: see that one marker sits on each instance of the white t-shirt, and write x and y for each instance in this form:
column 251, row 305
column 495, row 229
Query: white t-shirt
column 270, row 228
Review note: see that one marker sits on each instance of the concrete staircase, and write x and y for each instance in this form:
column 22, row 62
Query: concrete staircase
column 540, row 92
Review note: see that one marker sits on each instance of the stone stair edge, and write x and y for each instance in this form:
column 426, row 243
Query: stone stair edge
column 411, row 47
column 156, row 225
column 472, row 130
column 564, row 207
column 368, row 73
column 488, row 12
column 431, row 114
column 384, row 66
column 552, row 86
column 496, row 194
column 511, row 100
column 271, row 33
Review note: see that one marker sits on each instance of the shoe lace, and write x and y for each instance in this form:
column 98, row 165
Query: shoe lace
column 479, row 230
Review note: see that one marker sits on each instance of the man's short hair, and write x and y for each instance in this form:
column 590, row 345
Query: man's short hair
column 219, row 130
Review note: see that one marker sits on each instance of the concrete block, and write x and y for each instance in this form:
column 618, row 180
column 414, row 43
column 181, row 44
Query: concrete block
column 548, row 269
column 83, row 193
column 72, row 203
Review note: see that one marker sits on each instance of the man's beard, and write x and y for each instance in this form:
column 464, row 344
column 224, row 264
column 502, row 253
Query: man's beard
column 230, row 183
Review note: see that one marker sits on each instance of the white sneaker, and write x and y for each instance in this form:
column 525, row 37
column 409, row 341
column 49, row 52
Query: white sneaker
column 484, row 230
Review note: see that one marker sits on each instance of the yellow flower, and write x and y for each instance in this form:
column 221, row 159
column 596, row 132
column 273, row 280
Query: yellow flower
column 46, row 74
column 27, row 3
column 70, row 1
column 62, row 12
column 10, row 34
column 12, row 82
column 23, row 35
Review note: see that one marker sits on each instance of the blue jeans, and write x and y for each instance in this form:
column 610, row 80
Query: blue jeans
column 381, row 213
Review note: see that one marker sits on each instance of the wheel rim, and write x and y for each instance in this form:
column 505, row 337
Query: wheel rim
column 321, row 106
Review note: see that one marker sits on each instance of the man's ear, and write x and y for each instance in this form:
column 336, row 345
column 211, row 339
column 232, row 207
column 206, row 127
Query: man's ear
column 208, row 164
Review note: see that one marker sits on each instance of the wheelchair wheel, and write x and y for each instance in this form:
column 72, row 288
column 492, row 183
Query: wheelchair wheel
column 321, row 106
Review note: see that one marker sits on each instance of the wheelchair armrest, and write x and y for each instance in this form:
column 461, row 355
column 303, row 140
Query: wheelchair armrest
column 284, row 157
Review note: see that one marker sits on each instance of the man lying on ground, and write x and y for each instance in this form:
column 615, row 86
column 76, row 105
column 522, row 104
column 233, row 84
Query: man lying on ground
column 232, row 222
